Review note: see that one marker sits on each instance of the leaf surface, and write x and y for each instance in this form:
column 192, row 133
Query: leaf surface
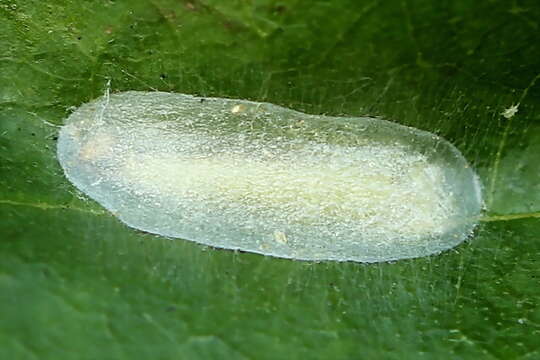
column 76, row 283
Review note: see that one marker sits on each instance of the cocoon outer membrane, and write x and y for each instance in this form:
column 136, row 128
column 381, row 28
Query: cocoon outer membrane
column 258, row 177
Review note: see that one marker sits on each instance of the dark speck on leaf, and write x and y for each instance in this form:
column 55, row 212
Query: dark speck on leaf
column 449, row 70
column 280, row 9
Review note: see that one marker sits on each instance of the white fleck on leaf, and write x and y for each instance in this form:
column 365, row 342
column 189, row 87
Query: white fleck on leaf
column 511, row 111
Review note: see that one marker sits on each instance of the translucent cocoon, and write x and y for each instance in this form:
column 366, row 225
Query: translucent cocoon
column 258, row 177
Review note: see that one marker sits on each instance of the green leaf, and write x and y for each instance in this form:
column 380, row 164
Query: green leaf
column 76, row 283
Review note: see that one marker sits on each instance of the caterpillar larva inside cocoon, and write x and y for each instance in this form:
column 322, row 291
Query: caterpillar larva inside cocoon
column 258, row 177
